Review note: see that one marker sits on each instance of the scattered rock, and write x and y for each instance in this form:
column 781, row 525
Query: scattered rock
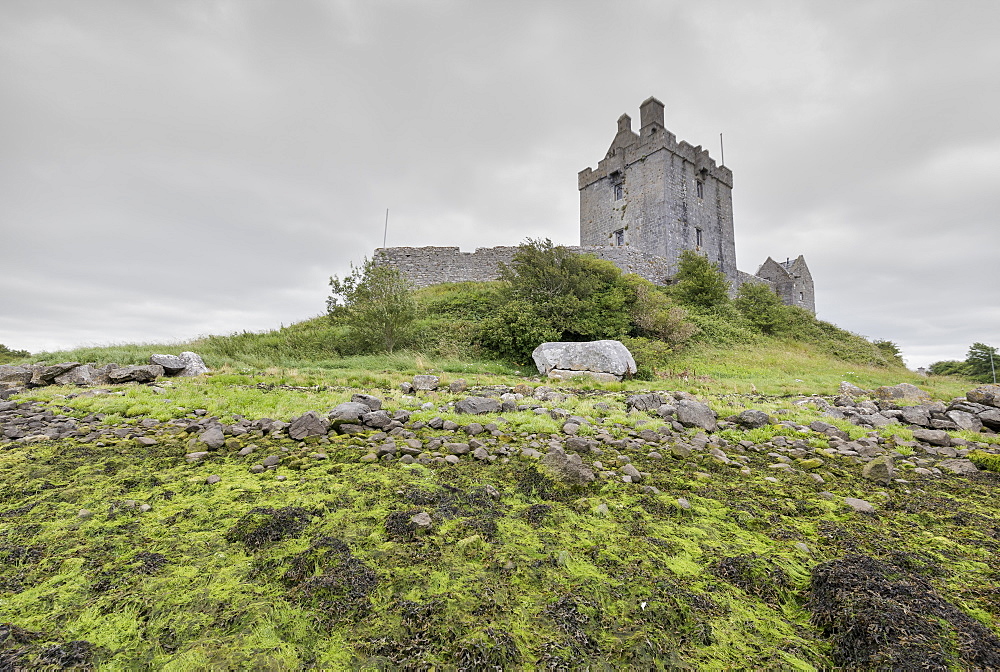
column 901, row 392
column 213, row 479
column 426, row 383
column 936, row 437
column 477, row 406
column 881, row 470
column 859, row 505
column 567, row 467
column 696, row 414
column 961, row 467
column 213, row 437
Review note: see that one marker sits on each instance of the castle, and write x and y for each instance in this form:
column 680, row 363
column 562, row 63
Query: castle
column 650, row 198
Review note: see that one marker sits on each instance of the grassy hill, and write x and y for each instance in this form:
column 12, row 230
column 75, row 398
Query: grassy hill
column 119, row 553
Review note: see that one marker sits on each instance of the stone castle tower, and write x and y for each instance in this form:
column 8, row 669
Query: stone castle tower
column 649, row 199
column 659, row 196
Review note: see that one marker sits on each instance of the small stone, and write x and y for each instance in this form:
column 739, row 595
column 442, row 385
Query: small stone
column 145, row 441
column 633, row 473
column 451, row 459
column 213, row 479
column 145, row 508
column 272, row 460
column 422, row 521
column 257, row 469
column 370, row 457
column 196, row 457
column 859, row 505
column 280, row 477
column 246, row 450
column 683, row 503
column 85, row 513
column 802, row 547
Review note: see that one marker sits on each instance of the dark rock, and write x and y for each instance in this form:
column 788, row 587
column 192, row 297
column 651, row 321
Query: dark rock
column 752, row 419
column 308, row 424
column 902, row 391
column 990, row 418
column 936, row 437
column 348, row 412
column 373, row 403
column 580, row 444
column 964, row 420
column 696, row 414
column 213, row 437
column 644, row 402
column 916, row 415
column 377, row 419
column 142, row 373
column 958, row 466
column 17, row 375
column 988, row 395
column 477, row 406
column 172, row 364
column 49, row 373
column 457, row 386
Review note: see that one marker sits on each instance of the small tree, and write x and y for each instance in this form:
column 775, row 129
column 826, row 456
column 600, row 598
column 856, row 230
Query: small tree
column 700, row 283
column 760, row 306
column 982, row 361
column 8, row 355
column 376, row 303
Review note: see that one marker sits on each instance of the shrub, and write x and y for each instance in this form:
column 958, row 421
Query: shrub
column 8, row 355
column 376, row 304
column 700, row 283
column 760, row 306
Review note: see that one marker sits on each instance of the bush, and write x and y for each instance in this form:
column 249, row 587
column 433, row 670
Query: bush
column 699, row 282
column 8, row 355
column 760, row 306
column 376, row 304
column 655, row 316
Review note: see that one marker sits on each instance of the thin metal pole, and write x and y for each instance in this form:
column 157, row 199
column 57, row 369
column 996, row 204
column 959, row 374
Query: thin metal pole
column 385, row 233
column 722, row 149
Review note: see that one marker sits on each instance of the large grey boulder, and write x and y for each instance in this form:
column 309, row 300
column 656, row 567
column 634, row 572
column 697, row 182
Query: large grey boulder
column 990, row 418
column 477, row 406
column 587, row 358
column 310, row 423
column 349, row 412
column 988, row 395
column 17, row 375
column 49, row 373
column 696, row 414
column 935, row 437
column 965, row 420
column 916, row 415
column 194, row 366
column 851, row 390
column 141, row 373
column 79, row 375
column 172, row 364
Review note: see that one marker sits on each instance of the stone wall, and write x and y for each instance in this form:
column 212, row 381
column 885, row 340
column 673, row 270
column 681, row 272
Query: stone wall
column 425, row 266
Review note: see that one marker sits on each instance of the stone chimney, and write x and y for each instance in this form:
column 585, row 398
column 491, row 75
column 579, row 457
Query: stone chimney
column 650, row 112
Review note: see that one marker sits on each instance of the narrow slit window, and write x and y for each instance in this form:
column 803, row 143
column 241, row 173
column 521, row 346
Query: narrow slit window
column 619, row 191
column 619, row 236
column 802, row 296
column 697, row 237
column 700, row 189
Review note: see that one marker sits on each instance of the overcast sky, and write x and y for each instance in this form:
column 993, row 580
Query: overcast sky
column 175, row 168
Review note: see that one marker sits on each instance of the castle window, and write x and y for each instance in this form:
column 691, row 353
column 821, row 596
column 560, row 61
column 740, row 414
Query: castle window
column 697, row 237
column 619, row 191
column 700, row 188
column 619, row 236
column 802, row 296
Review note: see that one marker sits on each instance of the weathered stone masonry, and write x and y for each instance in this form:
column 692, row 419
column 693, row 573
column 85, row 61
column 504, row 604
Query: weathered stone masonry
column 649, row 199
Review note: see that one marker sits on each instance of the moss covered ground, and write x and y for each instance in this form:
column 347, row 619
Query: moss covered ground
column 121, row 556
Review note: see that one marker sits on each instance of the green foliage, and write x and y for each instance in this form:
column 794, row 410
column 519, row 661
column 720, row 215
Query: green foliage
column 554, row 294
column 984, row 460
column 949, row 367
column 654, row 315
column 890, row 351
column 376, row 304
column 982, row 361
column 8, row 355
column 759, row 304
column 699, row 282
